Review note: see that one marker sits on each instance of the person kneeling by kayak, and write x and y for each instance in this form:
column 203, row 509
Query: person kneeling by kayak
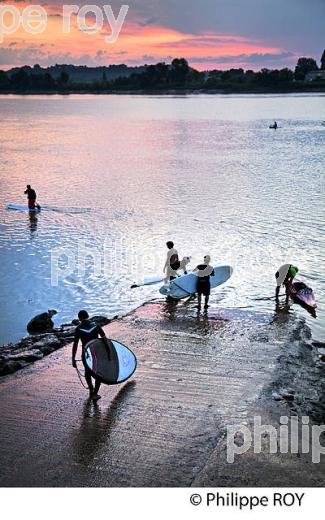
column 85, row 332
column 284, row 276
column 203, row 272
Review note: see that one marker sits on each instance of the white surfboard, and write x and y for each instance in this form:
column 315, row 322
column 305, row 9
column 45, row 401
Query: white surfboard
column 186, row 285
column 113, row 362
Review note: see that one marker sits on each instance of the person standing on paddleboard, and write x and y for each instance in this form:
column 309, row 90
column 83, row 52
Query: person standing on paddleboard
column 172, row 263
column 203, row 272
column 31, row 196
column 284, row 276
column 85, row 332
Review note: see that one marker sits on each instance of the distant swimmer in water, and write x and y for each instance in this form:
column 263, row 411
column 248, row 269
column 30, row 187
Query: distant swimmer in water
column 203, row 272
column 85, row 332
column 284, row 276
column 275, row 125
column 31, row 196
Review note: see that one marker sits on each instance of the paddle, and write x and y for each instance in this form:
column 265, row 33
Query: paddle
column 263, row 298
column 148, row 281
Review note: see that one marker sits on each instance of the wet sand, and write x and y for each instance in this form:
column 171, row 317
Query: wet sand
column 166, row 427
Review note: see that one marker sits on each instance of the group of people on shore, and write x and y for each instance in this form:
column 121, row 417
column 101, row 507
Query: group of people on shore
column 203, row 272
column 284, row 275
column 87, row 331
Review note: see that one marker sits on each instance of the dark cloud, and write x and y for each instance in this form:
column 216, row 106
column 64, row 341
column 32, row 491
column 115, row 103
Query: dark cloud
column 150, row 21
column 293, row 25
column 31, row 55
column 290, row 24
column 260, row 59
column 204, row 41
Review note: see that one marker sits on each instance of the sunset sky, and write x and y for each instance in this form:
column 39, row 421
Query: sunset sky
column 209, row 33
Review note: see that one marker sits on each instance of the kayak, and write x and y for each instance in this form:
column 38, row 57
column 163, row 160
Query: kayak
column 303, row 294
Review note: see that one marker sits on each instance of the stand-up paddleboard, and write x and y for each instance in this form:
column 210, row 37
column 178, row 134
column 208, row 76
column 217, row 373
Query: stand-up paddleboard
column 21, row 207
column 301, row 293
column 113, row 364
column 186, row 285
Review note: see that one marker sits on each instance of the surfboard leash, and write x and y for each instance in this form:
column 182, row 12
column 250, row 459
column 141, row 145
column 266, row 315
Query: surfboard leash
column 80, row 376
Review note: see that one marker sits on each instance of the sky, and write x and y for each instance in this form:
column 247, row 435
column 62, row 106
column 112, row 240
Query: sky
column 210, row 34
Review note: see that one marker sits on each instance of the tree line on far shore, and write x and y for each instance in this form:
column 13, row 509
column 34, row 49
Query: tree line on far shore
column 162, row 76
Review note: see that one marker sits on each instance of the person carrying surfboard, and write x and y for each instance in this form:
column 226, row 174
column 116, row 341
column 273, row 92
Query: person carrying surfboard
column 172, row 263
column 31, row 196
column 85, row 332
column 203, row 272
column 284, row 276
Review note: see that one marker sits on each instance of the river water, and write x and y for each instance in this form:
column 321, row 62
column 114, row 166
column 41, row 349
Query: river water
column 123, row 174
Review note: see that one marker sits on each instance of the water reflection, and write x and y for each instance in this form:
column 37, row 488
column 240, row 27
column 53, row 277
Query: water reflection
column 281, row 313
column 33, row 220
column 170, row 309
column 96, row 425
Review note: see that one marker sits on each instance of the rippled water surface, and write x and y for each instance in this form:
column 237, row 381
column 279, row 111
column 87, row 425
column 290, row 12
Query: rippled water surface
column 123, row 174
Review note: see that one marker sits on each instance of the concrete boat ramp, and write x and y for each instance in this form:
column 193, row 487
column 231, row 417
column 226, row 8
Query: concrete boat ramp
column 196, row 375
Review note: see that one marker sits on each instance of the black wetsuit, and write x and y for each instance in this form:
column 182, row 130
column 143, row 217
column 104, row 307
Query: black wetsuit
column 174, row 264
column 31, row 195
column 85, row 332
column 203, row 282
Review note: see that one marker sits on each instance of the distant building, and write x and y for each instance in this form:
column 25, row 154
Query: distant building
column 315, row 75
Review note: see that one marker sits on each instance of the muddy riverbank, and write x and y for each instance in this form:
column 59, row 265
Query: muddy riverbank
column 197, row 375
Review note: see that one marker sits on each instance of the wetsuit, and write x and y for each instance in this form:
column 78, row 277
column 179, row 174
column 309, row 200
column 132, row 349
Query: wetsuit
column 203, row 279
column 85, row 332
column 172, row 264
column 31, row 195
column 285, row 273
column 284, row 276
